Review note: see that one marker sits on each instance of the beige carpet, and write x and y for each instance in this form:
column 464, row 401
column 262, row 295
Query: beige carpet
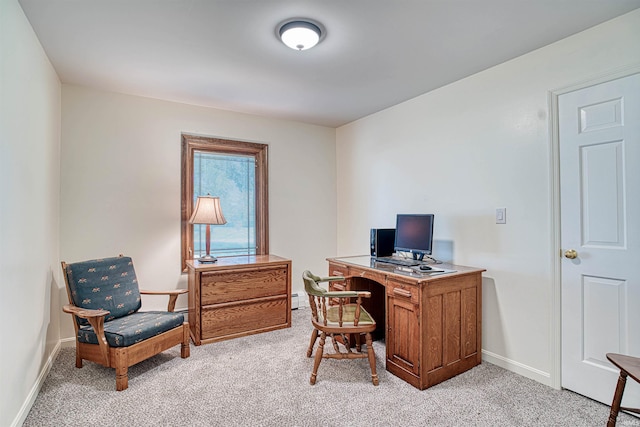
column 263, row 380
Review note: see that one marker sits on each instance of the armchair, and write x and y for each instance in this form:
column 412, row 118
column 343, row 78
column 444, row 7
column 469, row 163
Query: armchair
column 339, row 322
column 104, row 301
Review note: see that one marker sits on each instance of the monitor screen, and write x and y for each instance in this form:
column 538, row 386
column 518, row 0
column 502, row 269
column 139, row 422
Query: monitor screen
column 414, row 233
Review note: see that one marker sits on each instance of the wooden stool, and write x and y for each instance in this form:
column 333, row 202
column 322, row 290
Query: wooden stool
column 629, row 366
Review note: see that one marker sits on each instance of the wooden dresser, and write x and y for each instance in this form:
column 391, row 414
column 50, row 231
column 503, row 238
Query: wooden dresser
column 238, row 296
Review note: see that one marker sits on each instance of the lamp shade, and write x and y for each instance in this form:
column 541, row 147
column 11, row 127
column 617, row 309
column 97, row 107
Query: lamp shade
column 207, row 211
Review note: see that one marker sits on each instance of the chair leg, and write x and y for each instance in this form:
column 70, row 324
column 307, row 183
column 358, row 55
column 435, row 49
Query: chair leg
column 372, row 359
column 318, row 359
column 185, row 350
column 346, row 341
column 314, row 337
column 78, row 358
column 120, row 360
column 617, row 399
column 122, row 378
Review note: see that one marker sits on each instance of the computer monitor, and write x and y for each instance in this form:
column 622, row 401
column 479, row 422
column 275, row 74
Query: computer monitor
column 414, row 233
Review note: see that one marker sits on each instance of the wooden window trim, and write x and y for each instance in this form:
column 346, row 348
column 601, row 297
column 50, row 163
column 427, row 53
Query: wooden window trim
column 191, row 143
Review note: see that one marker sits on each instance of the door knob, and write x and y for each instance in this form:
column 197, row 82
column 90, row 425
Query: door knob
column 571, row 254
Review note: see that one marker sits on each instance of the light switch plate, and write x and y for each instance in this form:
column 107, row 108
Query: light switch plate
column 501, row 215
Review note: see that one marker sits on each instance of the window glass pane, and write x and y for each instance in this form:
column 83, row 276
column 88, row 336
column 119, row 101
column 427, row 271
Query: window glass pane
column 232, row 178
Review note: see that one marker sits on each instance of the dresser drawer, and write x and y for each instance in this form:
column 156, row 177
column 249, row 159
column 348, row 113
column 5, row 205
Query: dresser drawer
column 244, row 317
column 236, row 285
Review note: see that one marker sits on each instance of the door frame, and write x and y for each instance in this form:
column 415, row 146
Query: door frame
column 554, row 191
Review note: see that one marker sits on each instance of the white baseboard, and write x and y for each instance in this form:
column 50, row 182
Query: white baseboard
column 517, row 367
column 299, row 300
column 67, row 342
column 33, row 394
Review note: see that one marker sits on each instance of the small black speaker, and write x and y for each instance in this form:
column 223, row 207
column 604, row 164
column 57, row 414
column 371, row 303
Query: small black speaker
column 382, row 241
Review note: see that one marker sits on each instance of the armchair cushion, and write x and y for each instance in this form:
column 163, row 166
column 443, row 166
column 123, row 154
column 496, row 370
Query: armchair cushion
column 109, row 284
column 128, row 330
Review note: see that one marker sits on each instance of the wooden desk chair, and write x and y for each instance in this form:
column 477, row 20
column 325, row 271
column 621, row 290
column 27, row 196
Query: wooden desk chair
column 629, row 366
column 339, row 322
column 104, row 301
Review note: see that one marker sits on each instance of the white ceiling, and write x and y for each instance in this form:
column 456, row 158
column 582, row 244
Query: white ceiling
column 225, row 54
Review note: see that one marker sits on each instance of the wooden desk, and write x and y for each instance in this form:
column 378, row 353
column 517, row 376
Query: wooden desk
column 238, row 296
column 432, row 322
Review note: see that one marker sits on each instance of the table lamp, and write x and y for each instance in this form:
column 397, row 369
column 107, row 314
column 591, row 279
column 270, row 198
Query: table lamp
column 207, row 211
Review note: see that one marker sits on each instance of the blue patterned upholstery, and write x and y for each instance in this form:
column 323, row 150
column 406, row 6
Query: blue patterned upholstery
column 108, row 284
column 128, row 330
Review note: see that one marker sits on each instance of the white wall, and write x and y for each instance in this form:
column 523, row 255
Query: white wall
column 121, row 183
column 462, row 151
column 29, row 212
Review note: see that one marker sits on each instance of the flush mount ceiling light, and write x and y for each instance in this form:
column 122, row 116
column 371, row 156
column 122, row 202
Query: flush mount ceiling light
column 300, row 34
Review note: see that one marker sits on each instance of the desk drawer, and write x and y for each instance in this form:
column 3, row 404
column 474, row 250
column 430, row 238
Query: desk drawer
column 338, row 270
column 403, row 291
column 237, row 285
column 243, row 318
column 376, row 276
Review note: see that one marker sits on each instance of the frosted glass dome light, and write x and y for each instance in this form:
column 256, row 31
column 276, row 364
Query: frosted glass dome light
column 300, row 35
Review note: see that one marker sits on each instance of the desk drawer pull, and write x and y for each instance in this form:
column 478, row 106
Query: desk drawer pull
column 401, row 292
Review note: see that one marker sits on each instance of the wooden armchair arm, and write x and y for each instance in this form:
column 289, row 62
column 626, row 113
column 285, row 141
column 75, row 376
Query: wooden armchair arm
column 347, row 294
column 363, row 294
column 330, row 279
column 96, row 320
column 85, row 313
column 173, row 296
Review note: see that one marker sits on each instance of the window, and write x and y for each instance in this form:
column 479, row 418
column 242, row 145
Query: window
column 236, row 172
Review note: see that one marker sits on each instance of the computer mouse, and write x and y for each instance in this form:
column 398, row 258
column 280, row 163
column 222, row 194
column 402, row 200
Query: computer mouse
column 425, row 267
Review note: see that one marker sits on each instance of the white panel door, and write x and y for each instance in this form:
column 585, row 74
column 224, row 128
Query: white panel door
column 600, row 221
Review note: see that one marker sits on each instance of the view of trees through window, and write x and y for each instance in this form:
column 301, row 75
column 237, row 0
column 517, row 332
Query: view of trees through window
column 232, row 178
column 236, row 172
